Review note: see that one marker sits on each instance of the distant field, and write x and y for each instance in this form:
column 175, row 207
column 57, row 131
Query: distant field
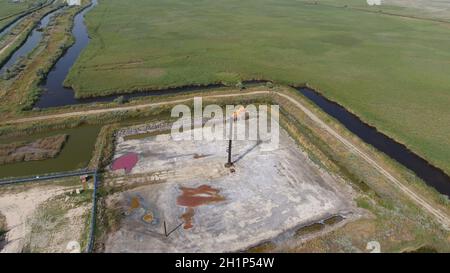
column 431, row 9
column 8, row 7
column 391, row 71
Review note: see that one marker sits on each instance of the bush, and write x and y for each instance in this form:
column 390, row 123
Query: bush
column 240, row 86
column 41, row 73
column 120, row 100
column 269, row 84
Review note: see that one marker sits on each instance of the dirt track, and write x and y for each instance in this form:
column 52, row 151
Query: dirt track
column 9, row 44
column 440, row 217
column 123, row 108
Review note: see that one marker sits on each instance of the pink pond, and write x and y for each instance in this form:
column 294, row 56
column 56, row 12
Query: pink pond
column 126, row 162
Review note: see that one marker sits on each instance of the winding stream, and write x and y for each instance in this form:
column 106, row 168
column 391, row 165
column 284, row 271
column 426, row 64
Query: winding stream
column 31, row 42
column 56, row 94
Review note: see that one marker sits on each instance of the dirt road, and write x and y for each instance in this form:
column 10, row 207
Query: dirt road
column 123, row 108
column 440, row 216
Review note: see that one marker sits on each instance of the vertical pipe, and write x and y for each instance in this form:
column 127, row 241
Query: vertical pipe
column 230, row 143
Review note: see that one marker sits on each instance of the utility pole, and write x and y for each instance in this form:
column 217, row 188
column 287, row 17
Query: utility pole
column 233, row 118
column 230, row 144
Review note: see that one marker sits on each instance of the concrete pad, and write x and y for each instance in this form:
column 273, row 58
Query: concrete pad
column 269, row 193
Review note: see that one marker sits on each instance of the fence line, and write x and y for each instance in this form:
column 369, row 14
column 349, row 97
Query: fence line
column 93, row 215
column 11, row 181
column 36, row 178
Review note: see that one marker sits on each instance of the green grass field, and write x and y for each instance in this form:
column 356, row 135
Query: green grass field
column 390, row 70
column 8, row 7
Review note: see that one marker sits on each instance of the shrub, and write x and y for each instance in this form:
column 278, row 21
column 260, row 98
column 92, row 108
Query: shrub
column 120, row 100
column 40, row 73
column 240, row 85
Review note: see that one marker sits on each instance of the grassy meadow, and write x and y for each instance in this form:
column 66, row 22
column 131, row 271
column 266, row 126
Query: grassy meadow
column 8, row 7
column 392, row 71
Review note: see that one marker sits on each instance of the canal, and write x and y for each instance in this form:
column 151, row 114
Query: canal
column 433, row 176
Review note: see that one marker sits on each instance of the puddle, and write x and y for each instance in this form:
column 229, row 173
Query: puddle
column 187, row 218
column 309, row 229
column 319, row 226
column 195, row 197
column 333, row 220
column 262, row 248
column 126, row 162
column 140, row 210
column 135, row 203
column 148, row 217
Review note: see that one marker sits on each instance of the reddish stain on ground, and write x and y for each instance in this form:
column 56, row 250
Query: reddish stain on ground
column 187, row 218
column 126, row 162
column 195, row 197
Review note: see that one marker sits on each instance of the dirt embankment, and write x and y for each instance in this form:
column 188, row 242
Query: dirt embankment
column 40, row 149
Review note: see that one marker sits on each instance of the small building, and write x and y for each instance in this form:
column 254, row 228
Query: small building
column 84, row 179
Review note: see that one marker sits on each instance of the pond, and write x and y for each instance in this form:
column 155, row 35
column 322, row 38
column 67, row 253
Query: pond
column 75, row 154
